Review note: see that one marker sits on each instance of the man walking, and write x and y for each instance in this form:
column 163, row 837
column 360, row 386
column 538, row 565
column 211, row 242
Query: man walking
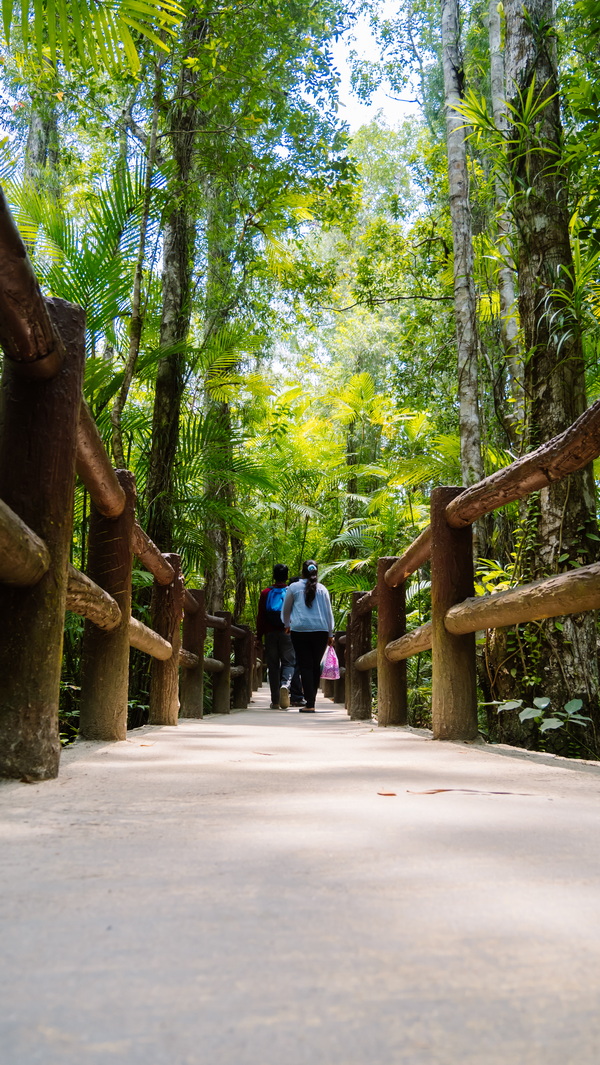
column 279, row 652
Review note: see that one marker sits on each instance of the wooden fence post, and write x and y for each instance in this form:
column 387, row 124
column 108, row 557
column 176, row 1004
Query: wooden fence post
column 327, row 688
column 359, row 705
column 194, row 637
column 256, row 664
column 105, row 655
column 392, row 694
column 242, row 656
column 222, row 652
column 454, row 683
column 38, row 426
column 166, row 613
column 339, row 690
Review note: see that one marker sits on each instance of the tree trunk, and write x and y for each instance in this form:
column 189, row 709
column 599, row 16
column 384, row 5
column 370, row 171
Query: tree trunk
column 42, row 148
column 562, row 663
column 178, row 258
column 509, row 326
column 464, row 286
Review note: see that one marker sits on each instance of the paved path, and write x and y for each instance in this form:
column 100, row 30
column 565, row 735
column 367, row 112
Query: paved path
column 238, row 891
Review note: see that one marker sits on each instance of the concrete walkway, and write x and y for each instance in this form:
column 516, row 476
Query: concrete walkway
column 275, row 888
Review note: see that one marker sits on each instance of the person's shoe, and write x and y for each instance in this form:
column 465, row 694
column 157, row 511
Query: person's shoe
column 274, row 706
column 284, row 697
column 297, row 703
column 307, row 710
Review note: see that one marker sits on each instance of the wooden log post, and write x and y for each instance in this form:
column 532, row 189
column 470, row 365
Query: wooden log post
column 327, row 688
column 242, row 656
column 339, row 686
column 454, row 685
column 359, row 707
column 38, row 426
column 167, row 613
column 105, row 656
column 222, row 652
column 194, row 638
column 392, row 694
column 256, row 663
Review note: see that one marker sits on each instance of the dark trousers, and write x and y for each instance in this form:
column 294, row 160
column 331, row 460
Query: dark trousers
column 280, row 659
column 310, row 648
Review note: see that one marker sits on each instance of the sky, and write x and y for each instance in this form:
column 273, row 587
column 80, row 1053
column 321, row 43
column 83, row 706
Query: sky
column 353, row 110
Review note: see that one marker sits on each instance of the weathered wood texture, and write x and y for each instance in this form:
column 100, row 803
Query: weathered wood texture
column 242, row 657
column 151, row 557
column 167, row 614
column 38, row 425
column 193, row 640
column 147, row 640
column 415, row 556
column 214, row 621
column 392, row 693
column 568, row 593
column 366, row 661
column 24, row 557
column 359, row 705
column 88, row 599
column 94, row 468
column 412, row 644
column 366, row 603
column 564, row 454
column 28, row 334
column 190, row 604
column 327, row 688
column 339, row 689
column 454, row 688
column 221, row 702
column 187, row 661
column 105, row 657
column 213, row 665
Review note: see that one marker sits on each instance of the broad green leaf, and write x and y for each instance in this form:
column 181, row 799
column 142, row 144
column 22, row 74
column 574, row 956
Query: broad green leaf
column 551, row 723
column 573, row 706
column 512, row 704
column 528, row 713
column 541, row 702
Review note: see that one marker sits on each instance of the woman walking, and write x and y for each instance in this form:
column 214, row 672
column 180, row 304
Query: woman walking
column 308, row 617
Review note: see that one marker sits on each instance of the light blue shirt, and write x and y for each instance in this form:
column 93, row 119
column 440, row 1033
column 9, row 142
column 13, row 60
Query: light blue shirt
column 296, row 615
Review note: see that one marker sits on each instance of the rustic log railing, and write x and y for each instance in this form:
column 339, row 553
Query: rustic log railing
column 47, row 434
column 456, row 612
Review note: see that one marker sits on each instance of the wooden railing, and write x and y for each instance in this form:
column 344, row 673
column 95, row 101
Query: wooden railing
column 47, row 434
column 456, row 612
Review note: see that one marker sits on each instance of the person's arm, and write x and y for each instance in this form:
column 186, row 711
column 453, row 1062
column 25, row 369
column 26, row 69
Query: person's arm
column 261, row 617
column 286, row 610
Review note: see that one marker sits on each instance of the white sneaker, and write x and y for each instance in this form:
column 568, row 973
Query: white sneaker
column 284, row 697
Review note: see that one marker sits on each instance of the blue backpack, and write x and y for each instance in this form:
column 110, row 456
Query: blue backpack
column 275, row 597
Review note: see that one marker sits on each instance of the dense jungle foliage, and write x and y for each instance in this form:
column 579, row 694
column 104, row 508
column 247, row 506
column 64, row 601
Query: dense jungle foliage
column 272, row 301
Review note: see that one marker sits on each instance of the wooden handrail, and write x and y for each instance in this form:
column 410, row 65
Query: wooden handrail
column 366, row 661
column 24, row 557
column 151, row 556
column 88, row 599
column 567, row 593
column 414, row 557
column 147, row 640
column 367, row 603
column 27, row 333
column 415, row 641
column 94, row 467
column 564, row 454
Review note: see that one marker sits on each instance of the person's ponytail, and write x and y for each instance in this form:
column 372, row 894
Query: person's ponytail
column 309, row 572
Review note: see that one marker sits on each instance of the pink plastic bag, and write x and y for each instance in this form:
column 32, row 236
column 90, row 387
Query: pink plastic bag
column 330, row 667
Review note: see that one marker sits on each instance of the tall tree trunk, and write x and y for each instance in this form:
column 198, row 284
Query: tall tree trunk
column 464, row 284
column 178, row 259
column 562, row 516
column 509, row 326
column 220, row 237
column 136, row 321
column 42, row 148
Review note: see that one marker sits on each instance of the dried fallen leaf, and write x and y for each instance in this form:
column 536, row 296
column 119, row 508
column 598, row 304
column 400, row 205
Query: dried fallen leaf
column 267, row 754
column 386, row 792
